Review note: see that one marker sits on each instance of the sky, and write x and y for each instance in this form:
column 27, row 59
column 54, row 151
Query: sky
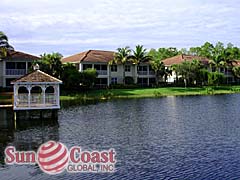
column 73, row 26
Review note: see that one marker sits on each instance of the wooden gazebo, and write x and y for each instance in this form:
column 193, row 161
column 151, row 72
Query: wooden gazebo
column 36, row 90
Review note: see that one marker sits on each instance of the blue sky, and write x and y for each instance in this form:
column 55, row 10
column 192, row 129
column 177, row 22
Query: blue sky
column 69, row 26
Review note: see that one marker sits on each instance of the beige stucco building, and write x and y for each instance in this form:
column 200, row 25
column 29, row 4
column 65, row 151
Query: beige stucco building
column 205, row 61
column 15, row 65
column 111, row 74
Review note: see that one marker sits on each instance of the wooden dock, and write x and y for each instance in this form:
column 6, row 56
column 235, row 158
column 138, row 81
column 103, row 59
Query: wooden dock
column 6, row 106
column 8, row 102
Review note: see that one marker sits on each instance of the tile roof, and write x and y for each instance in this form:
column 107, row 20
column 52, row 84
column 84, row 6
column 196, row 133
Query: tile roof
column 36, row 76
column 21, row 56
column 236, row 63
column 181, row 58
column 90, row 56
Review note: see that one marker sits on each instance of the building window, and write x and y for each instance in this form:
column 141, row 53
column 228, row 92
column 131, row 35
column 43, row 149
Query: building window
column 97, row 67
column 87, row 66
column 21, row 65
column 114, row 68
column 104, row 67
column 152, row 80
column 143, row 81
column 229, row 79
column 10, row 65
column 127, row 68
column 114, row 80
column 142, row 68
column 222, row 70
column 101, row 82
column 100, row 67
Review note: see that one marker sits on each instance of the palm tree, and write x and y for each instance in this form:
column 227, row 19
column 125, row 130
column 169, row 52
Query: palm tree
column 122, row 57
column 236, row 71
column 229, row 57
column 159, row 69
column 217, row 62
column 4, row 45
column 189, row 71
column 51, row 64
column 174, row 68
column 140, row 55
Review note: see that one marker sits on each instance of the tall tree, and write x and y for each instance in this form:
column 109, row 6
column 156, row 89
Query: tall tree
column 122, row 56
column 233, row 52
column 236, row 71
column 216, row 56
column 189, row 71
column 51, row 64
column 140, row 55
column 218, row 49
column 184, row 51
column 71, row 77
column 163, row 53
column 216, row 62
column 195, row 51
column 88, row 77
column 207, row 50
column 4, row 45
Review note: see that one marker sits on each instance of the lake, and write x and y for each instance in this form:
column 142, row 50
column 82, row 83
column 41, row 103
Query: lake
column 193, row 137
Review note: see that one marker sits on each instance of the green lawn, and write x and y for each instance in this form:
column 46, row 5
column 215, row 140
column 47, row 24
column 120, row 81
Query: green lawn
column 5, row 99
column 153, row 92
column 143, row 93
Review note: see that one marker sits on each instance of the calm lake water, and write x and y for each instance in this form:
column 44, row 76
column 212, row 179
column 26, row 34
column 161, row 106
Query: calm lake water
column 194, row 137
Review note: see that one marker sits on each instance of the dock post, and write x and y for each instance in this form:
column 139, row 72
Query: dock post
column 15, row 119
column 41, row 115
column 27, row 115
column 54, row 114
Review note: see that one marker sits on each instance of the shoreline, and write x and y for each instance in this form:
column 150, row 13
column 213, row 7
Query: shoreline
column 108, row 94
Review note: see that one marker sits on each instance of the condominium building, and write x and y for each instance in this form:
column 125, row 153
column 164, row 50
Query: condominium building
column 15, row 65
column 141, row 74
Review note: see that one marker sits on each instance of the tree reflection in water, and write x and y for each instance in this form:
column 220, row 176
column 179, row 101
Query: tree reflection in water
column 25, row 134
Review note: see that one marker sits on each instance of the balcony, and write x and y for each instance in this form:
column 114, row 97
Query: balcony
column 142, row 72
column 102, row 72
column 146, row 73
column 15, row 72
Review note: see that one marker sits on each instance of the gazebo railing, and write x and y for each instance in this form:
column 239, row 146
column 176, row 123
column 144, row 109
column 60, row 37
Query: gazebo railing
column 22, row 100
column 36, row 99
column 50, row 98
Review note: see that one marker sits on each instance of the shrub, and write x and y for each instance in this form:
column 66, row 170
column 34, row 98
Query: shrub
column 215, row 78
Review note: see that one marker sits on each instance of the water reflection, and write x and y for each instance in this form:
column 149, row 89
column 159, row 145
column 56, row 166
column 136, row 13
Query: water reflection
column 195, row 137
column 78, row 102
column 25, row 134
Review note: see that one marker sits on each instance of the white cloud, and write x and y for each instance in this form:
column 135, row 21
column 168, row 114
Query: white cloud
column 91, row 23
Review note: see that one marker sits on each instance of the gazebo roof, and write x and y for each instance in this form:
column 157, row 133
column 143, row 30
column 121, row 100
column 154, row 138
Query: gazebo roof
column 37, row 76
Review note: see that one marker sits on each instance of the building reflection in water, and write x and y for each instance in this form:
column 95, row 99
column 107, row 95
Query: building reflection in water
column 25, row 133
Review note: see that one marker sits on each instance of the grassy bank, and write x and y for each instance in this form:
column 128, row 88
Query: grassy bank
column 5, row 98
column 152, row 92
column 141, row 93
